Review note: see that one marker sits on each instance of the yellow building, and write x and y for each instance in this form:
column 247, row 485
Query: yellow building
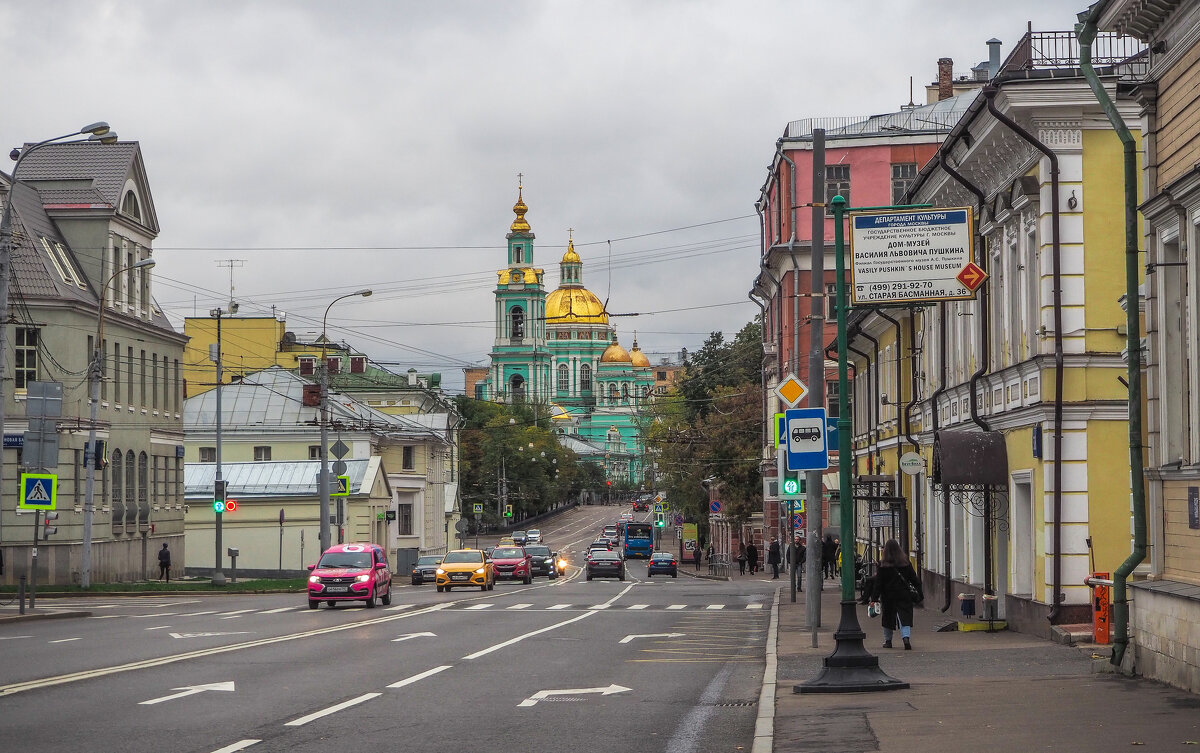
column 1012, row 399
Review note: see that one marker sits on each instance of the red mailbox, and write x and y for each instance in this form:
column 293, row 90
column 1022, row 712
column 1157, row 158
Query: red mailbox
column 1101, row 613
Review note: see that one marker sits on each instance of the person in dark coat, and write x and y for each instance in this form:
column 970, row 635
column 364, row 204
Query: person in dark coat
column 164, row 563
column 897, row 588
column 696, row 556
column 741, row 558
column 774, row 558
column 752, row 557
column 797, row 554
column 829, row 556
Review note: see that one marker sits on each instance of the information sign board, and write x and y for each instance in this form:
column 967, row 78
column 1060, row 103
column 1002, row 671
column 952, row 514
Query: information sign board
column 912, row 256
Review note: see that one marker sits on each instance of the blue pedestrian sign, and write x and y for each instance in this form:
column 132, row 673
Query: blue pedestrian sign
column 806, row 439
column 39, row 491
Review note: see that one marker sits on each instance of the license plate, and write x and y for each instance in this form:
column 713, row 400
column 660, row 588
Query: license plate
column 459, row 577
column 337, row 589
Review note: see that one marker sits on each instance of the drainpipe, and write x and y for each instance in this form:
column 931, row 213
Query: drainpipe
column 896, row 402
column 762, row 306
column 933, row 403
column 1087, row 33
column 791, row 202
column 778, row 327
column 875, row 398
column 989, row 92
column 985, row 348
column 870, row 369
column 918, row 532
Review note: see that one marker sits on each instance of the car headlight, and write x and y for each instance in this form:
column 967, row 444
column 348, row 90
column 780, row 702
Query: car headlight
column 314, row 579
column 481, row 571
column 440, row 571
column 363, row 578
column 562, row 564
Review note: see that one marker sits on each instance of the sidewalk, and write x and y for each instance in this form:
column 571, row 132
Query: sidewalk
column 982, row 692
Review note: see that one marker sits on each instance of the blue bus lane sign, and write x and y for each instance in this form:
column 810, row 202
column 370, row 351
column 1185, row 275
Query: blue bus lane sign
column 806, row 430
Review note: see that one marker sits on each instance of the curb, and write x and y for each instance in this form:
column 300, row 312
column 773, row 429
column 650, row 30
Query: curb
column 42, row 616
column 701, row 576
column 764, row 725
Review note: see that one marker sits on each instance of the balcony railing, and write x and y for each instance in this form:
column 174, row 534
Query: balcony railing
column 1050, row 50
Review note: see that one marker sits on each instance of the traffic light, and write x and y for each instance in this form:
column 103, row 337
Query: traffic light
column 608, row 483
column 508, row 511
column 219, row 487
column 47, row 529
column 100, row 455
column 660, row 520
column 792, row 490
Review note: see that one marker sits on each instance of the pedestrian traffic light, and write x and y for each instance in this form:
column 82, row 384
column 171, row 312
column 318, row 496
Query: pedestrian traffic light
column 508, row 511
column 219, row 487
column 49, row 530
column 660, row 520
column 100, row 455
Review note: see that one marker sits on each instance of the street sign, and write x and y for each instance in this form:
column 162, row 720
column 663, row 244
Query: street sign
column 798, row 520
column 912, row 256
column 338, row 467
column 461, row 525
column 339, row 449
column 477, row 508
column 806, row 448
column 658, row 507
column 881, row 519
column 971, row 276
column 341, row 487
column 714, row 506
column 791, row 390
column 912, row 463
column 678, row 520
column 39, row 491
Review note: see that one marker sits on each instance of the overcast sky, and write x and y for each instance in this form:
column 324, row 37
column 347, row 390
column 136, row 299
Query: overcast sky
column 332, row 146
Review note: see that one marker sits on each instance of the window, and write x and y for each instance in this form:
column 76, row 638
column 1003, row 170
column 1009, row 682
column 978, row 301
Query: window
column 25, row 368
column 208, row 454
column 130, row 280
column 129, row 206
column 830, row 302
column 517, row 322
column 308, row 365
column 404, row 520
column 564, row 377
column 155, row 381
column 902, row 177
column 129, row 373
column 130, row 487
column 660, row 376
column 407, row 459
column 832, row 401
column 585, row 378
column 625, row 392
column 837, row 182
column 358, row 364
column 118, row 490
column 612, row 391
column 314, row 452
column 518, row 254
column 333, row 364
column 143, row 489
column 262, row 453
column 142, row 379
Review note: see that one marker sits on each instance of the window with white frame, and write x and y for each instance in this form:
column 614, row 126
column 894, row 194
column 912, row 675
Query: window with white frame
column 25, row 365
column 314, row 452
column 1031, row 276
column 837, row 183
column 585, row 378
column 564, row 377
column 262, row 453
column 1016, row 302
column 830, row 301
column 903, row 175
column 208, row 454
column 307, row 364
column 1171, row 356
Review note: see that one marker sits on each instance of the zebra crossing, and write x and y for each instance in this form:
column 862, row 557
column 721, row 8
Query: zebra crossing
column 488, row 606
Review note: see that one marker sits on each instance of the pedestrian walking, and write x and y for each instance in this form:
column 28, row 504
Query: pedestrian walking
column 774, row 559
column 696, row 557
column 897, row 588
column 797, row 555
column 741, row 558
column 829, row 549
column 164, row 563
column 752, row 557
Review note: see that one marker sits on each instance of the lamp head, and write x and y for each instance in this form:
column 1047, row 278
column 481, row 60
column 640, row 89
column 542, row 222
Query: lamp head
column 96, row 129
column 109, row 137
column 144, row 264
column 366, row 293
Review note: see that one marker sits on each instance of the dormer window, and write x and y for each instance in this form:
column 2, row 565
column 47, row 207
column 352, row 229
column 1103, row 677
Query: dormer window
column 333, row 365
column 308, row 365
column 130, row 207
column 358, row 364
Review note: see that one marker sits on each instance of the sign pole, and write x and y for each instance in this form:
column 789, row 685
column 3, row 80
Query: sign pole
column 37, row 523
column 850, row 668
column 814, row 485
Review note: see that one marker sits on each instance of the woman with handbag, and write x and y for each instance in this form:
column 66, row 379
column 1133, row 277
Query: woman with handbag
column 897, row 588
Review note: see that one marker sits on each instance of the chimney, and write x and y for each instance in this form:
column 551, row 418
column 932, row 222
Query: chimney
column 993, row 57
column 945, row 78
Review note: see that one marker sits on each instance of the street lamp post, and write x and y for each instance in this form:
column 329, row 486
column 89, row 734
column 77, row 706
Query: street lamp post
column 91, row 457
column 95, row 132
column 220, row 490
column 323, row 372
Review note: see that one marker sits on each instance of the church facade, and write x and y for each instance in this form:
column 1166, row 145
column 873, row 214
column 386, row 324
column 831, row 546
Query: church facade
column 560, row 351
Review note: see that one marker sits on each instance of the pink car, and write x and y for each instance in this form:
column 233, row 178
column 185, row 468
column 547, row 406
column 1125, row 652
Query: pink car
column 350, row 572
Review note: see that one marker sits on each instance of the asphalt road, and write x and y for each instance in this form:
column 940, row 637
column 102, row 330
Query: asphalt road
column 656, row 664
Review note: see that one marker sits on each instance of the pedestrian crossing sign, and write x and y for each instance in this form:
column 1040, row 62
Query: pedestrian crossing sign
column 341, row 487
column 39, row 491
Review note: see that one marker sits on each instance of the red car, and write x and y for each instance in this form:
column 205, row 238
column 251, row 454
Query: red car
column 350, row 572
column 512, row 563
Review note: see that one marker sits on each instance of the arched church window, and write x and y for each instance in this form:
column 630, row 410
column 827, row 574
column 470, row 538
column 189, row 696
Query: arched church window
column 612, row 391
column 564, row 378
column 518, row 254
column 517, row 316
column 585, row 378
column 625, row 392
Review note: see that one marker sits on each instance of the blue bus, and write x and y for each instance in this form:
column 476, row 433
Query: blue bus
column 637, row 539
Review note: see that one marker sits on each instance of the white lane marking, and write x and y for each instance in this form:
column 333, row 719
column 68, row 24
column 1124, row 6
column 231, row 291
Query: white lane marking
column 756, row 605
column 420, row 676
column 600, row 606
column 638, row 606
column 106, row 617
column 541, row 695
column 235, row 747
column 332, row 709
column 398, row 607
column 45, row 682
column 65, row 640
column 277, row 611
column 410, row 636
column 156, row 614
column 677, row 606
column 520, row 638
column 159, row 627
column 715, row 606
column 197, row 614
column 481, row 606
column 237, row 612
column 520, row 606
column 14, row 637
column 227, row 687
column 558, row 606
column 629, row 638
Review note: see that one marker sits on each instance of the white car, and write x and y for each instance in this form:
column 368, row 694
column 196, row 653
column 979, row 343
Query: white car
column 533, row 536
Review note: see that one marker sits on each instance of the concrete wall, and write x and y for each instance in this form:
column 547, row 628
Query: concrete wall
column 1166, row 629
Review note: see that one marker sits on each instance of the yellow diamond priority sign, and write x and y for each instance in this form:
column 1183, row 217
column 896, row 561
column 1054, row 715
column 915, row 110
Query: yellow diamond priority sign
column 791, row 390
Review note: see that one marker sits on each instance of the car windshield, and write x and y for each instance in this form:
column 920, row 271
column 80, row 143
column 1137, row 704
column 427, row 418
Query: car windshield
column 604, row 555
column 468, row 557
column 535, row 532
column 662, row 556
column 518, row 534
column 598, row 545
column 428, row 560
column 507, row 553
column 345, row 559
column 538, row 551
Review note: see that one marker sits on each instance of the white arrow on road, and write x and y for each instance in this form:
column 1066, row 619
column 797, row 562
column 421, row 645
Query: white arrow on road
column 628, row 638
column 206, row 635
column 413, row 635
column 191, row 690
column 542, row 695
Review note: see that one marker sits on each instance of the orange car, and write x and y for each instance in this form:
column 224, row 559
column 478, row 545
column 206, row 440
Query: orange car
column 465, row 567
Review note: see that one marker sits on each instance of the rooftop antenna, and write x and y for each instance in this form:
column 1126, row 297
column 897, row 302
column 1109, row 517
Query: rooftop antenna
column 231, row 263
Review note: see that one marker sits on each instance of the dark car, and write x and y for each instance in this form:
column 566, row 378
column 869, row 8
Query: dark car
column 604, row 564
column 512, row 563
column 425, row 571
column 542, row 560
column 520, row 538
column 662, row 562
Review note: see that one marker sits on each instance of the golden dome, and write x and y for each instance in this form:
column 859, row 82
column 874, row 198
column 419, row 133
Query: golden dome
column 574, row 306
column 571, row 257
column 519, row 225
column 615, row 354
column 639, row 358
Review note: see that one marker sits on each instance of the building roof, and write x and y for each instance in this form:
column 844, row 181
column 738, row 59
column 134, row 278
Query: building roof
column 574, row 305
column 105, row 166
column 34, row 272
column 938, row 117
column 269, row 479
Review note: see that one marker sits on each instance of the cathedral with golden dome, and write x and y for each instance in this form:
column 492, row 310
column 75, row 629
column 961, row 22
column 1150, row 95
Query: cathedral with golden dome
column 559, row 350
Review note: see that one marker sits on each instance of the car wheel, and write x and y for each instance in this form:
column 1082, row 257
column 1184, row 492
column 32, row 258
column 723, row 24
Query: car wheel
column 416, row 583
column 649, row 575
column 314, row 603
column 447, row 588
column 483, row 587
column 674, row 575
column 589, row 577
column 439, row 589
column 387, row 597
column 528, row 579
column 621, row 576
column 371, row 600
